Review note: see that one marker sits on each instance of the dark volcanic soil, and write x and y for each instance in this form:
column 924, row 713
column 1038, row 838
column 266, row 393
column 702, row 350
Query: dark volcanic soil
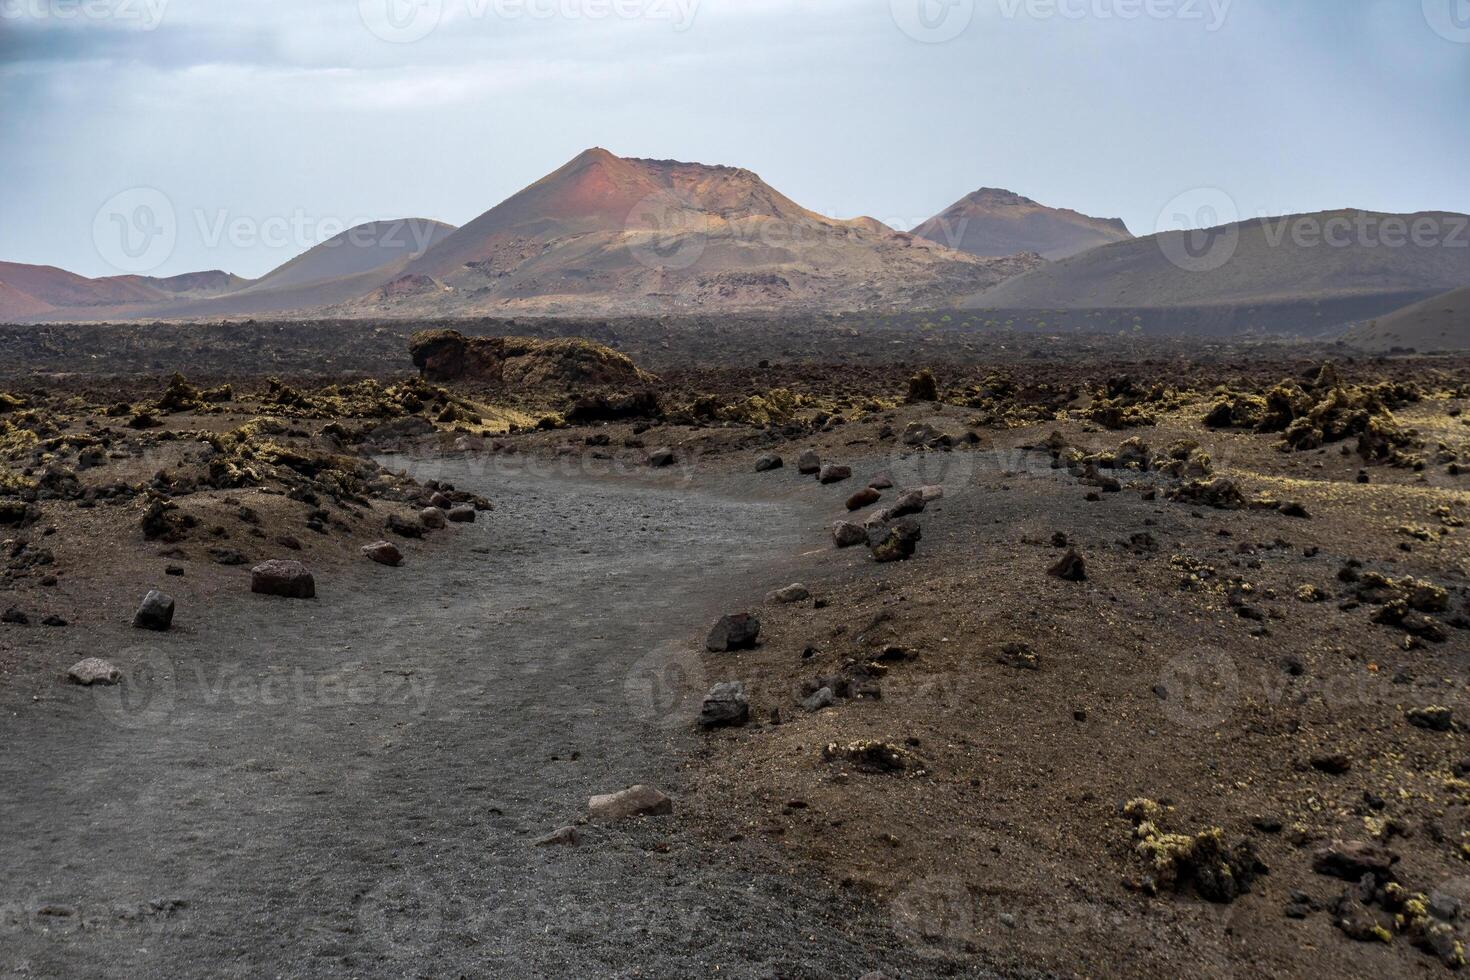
column 351, row 786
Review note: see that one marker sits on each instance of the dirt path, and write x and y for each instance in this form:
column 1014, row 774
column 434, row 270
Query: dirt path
column 351, row 786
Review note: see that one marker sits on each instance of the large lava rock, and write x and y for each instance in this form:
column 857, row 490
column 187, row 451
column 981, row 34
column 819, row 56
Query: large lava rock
column 448, row 355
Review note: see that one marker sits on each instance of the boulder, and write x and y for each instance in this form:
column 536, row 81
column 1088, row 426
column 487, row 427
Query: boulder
column 384, row 553
column 403, row 528
column 907, row 505
column 897, row 542
column 734, row 632
column 155, row 613
column 440, row 500
column 636, row 801
column 1071, row 567
column 795, row 592
column 661, row 458
column 724, row 706
column 846, row 534
column 93, row 671
column 767, row 462
column 832, row 473
column 809, row 463
column 865, row 497
column 287, row 579
column 433, row 518
column 461, row 514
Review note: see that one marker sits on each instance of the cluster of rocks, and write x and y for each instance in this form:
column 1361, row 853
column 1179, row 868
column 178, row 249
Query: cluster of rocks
column 1407, row 604
column 1320, row 409
column 1202, row 862
column 1375, row 906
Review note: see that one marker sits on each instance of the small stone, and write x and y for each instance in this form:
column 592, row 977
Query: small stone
column 863, row 498
column 286, row 579
column 883, row 481
column 404, row 528
column 384, row 553
column 1350, row 860
column 767, row 462
column 461, row 514
column 565, row 837
column 1019, row 656
column 832, row 473
column 1435, row 718
column 823, row 698
column 433, row 518
column 735, row 632
column 795, row 592
column 809, row 463
column 155, row 613
column 1071, row 568
column 725, row 706
column 176, row 571
column 53, row 621
column 661, row 458
column 15, row 617
column 228, row 557
column 93, row 671
column 636, row 801
column 1334, row 764
column 846, row 534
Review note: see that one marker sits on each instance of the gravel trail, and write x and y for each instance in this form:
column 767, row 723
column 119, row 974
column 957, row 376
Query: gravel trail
column 351, row 786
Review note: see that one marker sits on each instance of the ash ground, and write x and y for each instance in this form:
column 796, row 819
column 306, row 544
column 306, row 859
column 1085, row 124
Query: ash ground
column 1236, row 666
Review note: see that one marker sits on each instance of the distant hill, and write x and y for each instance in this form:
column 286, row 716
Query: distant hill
column 338, row 270
column 59, row 288
column 1440, row 323
column 1273, row 264
column 992, row 222
column 368, row 247
column 606, row 234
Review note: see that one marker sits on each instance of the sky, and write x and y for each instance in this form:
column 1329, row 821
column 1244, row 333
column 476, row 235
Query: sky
column 249, row 130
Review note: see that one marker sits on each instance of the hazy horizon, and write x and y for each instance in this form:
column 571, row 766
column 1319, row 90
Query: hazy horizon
column 266, row 130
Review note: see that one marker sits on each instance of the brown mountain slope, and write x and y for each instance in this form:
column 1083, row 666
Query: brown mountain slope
column 57, row 287
column 604, row 234
column 992, row 222
column 365, row 248
column 1440, row 323
column 1363, row 262
column 16, row 305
